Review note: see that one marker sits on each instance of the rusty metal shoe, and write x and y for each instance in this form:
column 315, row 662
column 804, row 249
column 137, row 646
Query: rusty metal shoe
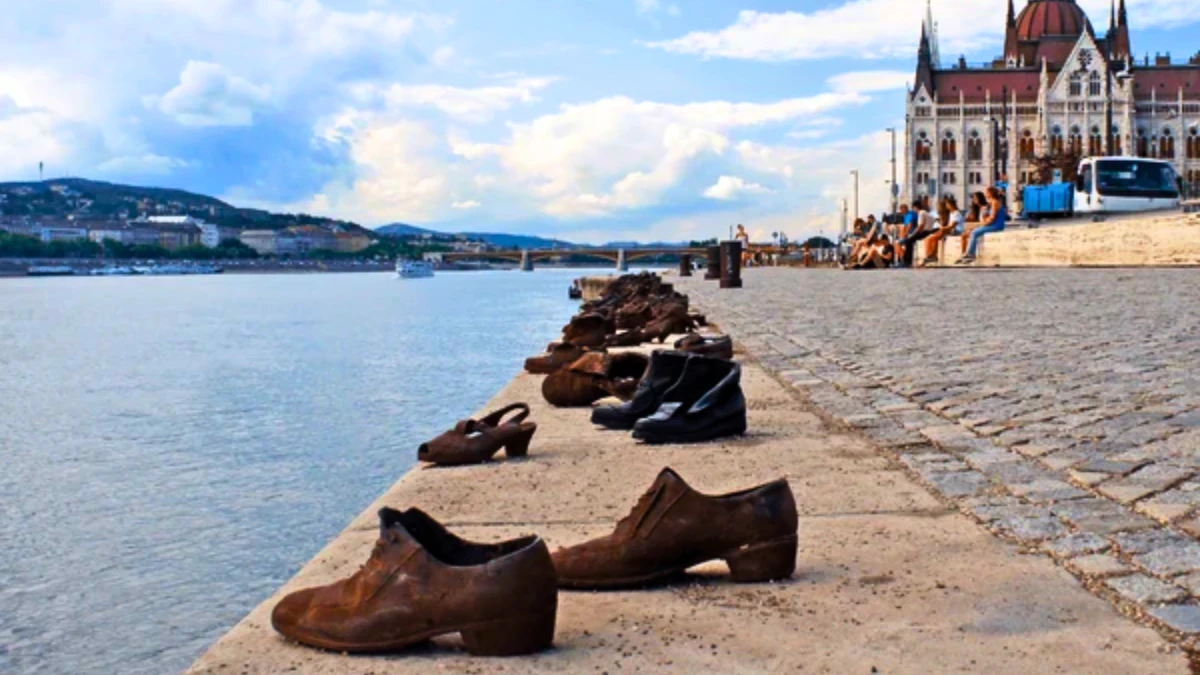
column 421, row 581
column 587, row 330
column 593, row 377
column 476, row 441
column 674, row 527
column 720, row 347
column 557, row 357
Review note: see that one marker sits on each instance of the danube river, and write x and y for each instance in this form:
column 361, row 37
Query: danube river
column 174, row 448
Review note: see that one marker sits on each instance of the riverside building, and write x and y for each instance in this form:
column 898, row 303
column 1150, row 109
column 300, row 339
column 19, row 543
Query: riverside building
column 1060, row 89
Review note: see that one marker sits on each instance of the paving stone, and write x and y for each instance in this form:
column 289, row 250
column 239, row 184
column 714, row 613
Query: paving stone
column 1032, row 529
column 1164, row 513
column 1183, row 618
column 1087, row 478
column 1047, row 490
column 1108, row 466
column 1142, row 589
column 1144, row 482
column 1099, row 566
column 1100, row 516
column 959, row 483
column 1074, row 545
column 1137, row 543
column 948, row 436
column 1171, row 559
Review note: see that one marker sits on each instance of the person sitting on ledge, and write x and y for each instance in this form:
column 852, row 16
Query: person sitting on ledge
column 977, row 213
column 996, row 220
column 924, row 226
column 950, row 219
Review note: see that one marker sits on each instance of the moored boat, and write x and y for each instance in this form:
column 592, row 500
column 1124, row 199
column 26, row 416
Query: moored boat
column 413, row 269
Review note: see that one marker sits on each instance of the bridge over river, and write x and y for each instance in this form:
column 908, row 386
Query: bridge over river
column 619, row 256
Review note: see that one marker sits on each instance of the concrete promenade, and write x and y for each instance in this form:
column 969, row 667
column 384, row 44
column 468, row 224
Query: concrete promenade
column 890, row 580
column 1060, row 409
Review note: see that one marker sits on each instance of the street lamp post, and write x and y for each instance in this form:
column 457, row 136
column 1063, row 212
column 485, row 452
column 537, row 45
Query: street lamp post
column 855, row 174
column 895, row 187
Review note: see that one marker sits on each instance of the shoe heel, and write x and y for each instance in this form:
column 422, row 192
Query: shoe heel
column 519, row 445
column 771, row 561
column 511, row 637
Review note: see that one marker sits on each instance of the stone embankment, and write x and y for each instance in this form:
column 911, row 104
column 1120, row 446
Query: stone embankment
column 890, row 579
column 1149, row 241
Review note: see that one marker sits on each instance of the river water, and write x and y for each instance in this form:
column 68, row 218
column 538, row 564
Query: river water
column 173, row 449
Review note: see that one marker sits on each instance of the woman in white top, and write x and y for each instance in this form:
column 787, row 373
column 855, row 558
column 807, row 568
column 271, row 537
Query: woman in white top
column 950, row 220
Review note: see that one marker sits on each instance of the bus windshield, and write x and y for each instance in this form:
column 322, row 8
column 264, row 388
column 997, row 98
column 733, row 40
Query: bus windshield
column 1133, row 178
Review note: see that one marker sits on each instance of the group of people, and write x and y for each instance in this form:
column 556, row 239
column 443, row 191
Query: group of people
column 892, row 241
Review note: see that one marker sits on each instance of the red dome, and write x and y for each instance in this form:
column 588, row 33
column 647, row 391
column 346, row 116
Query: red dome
column 1042, row 18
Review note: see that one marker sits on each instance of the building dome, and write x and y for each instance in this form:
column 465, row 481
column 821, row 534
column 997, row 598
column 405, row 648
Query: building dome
column 1043, row 18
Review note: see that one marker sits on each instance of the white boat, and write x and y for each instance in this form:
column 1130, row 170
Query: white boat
column 413, row 269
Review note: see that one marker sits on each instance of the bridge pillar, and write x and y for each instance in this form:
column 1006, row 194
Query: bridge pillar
column 526, row 261
column 685, row 265
column 622, row 265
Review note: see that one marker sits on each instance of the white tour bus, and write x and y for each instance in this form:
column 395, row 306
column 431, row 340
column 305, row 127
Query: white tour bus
column 1125, row 184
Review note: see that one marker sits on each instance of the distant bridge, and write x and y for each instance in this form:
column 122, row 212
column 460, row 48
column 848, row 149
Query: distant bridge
column 619, row 256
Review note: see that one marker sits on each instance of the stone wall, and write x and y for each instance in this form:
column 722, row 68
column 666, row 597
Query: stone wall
column 1159, row 240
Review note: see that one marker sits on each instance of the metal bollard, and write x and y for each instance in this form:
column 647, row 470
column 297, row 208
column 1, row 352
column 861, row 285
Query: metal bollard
column 685, row 265
column 731, row 264
column 714, row 263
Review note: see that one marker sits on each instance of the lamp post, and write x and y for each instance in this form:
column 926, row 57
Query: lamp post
column 855, row 174
column 895, row 187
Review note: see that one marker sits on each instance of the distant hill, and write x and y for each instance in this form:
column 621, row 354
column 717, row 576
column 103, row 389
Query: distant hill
column 89, row 199
column 493, row 238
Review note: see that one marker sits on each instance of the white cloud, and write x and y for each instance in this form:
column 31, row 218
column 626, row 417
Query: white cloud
column 651, row 7
column 144, row 164
column 477, row 104
column 864, row 81
column 466, row 206
column 731, row 187
column 442, row 56
column 886, row 29
column 208, row 95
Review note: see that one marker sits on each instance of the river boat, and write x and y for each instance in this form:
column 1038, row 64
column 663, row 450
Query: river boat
column 50, row 271
column 413, row 269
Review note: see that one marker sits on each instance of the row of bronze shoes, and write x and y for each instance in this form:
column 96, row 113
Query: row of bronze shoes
column 422, row 581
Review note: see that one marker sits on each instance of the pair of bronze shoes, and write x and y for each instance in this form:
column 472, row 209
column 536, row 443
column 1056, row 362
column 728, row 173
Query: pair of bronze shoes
column 421, row 581
column 476, row 441
column 594, row 376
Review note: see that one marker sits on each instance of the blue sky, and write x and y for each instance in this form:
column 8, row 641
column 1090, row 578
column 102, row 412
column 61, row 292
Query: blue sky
column 592, row 120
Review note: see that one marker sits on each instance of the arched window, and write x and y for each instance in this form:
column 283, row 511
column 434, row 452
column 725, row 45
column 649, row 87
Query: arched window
column 1026, row 145
column 1076, row 140
column 975, row 147
column 1095, row 142
column 1094, row 84
column 1143, row 144
column 924, row 149
column 1193, row 143
column 1076, row 84
column 1114, row 141
column 1166, row 145
column 1056, row 141
column 949, row 147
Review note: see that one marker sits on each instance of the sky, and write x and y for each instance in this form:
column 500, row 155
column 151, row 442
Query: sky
column 588, row 120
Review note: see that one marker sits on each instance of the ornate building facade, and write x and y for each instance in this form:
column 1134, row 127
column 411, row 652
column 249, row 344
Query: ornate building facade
column 1058, row 87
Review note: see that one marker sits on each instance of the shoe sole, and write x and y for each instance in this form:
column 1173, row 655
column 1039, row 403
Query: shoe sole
column 511, row 636
column 736, row 428
column 753, row 563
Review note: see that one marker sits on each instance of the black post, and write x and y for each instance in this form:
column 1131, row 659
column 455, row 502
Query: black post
column 714, row 263
column 731, row 264
column 685, row 265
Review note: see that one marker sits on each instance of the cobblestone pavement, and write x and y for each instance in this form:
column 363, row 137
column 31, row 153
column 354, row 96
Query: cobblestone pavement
column 1059, row 408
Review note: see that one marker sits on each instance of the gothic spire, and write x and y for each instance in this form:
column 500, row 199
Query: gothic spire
column 1012, row 13
column 1122, row 16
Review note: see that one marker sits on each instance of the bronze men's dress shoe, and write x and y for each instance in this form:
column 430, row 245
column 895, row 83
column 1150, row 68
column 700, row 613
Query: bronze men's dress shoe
column 476, row 441
column 557, row 356
column 673, row 527
column 421, row 582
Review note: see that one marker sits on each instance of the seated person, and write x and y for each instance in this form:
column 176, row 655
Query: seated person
column 950, row 221
column 996, row 220
column 879, row 254
column 976, row 213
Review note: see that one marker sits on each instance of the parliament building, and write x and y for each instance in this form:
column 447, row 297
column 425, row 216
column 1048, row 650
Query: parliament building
column 1060, row 88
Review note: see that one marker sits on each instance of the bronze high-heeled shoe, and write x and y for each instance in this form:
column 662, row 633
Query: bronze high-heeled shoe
column 476, row 441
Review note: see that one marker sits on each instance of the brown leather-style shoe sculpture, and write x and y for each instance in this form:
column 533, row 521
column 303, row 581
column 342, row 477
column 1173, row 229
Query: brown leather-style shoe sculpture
column 557, row 356
column 593, row 377
column 473, row 442
column 586, row 330
column 673, row 527
column 720, row 347
column 421, row 581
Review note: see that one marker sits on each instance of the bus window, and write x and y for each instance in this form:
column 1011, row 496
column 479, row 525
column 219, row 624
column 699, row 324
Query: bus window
column 1133, row 178
column 1085, row 179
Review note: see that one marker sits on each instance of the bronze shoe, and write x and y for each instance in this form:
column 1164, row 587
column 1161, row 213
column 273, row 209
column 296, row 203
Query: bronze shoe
column 595, row 376
column 421, row 581
column 476, row 441
column 673, row 527
column 720, row 347
column 557, row 356
column 587, row 330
